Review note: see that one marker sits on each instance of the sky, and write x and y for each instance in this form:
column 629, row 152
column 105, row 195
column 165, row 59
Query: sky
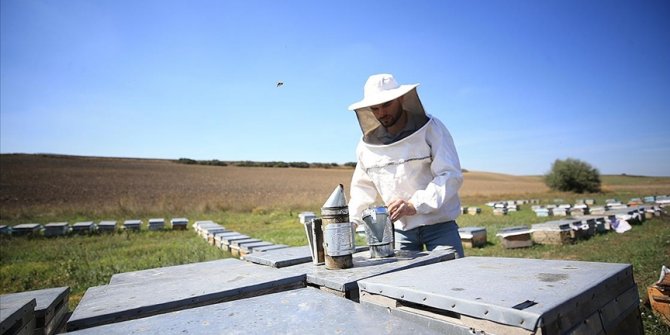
column 519, row 84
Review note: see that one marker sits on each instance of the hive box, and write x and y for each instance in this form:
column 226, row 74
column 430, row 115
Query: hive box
column 552, row 232
column 156, row 291
column 247, row 248
column 179, row 223
column 83, row 227
column 515, row 237
column 203, row 228
column 50, row 308
column 542, row 212
column 270, row 248
column 107, row 226
column 560, row 211
column 212, row 232
column 600, row 225
column 235, row 245
column 17, row 317
column 512, row 296
column 500, row 211
column 344, row 282
column 472, row 237
column 227, row 240
column 5, row 230
column 56, row 229
column 132, row 224
column 219, row 237
column 25, row 229
column 301, row 311
column 156, row 224
column 197, row 224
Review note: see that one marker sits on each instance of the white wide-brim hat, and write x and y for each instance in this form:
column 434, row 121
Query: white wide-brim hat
column 379, row 89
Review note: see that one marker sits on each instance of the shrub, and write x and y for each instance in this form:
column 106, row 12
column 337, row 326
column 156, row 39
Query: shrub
column 187, row 161
column 573, row 175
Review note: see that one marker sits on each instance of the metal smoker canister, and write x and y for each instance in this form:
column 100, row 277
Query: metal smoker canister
column 338, row 232
column 379, row 232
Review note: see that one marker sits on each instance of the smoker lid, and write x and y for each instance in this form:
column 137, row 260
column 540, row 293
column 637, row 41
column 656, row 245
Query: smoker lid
column 525, row 293
column 336, row 199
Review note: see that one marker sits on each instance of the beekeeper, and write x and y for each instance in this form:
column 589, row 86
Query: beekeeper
column 408, row 157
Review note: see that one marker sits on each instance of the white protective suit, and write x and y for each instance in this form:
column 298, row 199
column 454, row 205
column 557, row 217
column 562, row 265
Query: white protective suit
column 422, row 168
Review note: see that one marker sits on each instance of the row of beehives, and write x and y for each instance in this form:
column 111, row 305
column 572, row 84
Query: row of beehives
column 565, row 231
column 503, row 207
column 583, row 208
column 230, row 295
column 239, row 245
column 54, row 229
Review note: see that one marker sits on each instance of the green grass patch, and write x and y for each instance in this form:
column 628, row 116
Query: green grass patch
column 81, row 262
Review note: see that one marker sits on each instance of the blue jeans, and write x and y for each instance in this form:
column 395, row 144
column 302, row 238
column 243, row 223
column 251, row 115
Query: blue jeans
column 430, row 236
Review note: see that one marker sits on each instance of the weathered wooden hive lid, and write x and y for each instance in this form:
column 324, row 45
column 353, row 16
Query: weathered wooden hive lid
column 336, row 199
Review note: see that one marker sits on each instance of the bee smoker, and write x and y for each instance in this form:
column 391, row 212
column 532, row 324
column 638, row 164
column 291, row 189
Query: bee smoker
column 338, row 231
column 314, row 236
column 379, row 232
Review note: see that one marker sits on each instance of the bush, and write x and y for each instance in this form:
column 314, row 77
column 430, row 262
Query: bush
column 573, row 175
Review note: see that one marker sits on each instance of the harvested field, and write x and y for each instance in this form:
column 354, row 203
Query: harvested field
column 54, row 185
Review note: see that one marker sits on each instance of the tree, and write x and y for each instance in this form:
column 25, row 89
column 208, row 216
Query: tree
column 573, row 175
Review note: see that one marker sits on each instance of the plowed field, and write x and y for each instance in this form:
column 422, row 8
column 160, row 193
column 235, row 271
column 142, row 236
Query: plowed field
column 50, row 184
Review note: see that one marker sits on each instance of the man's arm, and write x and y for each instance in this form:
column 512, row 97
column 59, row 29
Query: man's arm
column 446, row 169
column 362, row 194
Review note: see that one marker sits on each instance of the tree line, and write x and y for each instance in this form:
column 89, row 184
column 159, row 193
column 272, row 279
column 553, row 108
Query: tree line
column 273, row 164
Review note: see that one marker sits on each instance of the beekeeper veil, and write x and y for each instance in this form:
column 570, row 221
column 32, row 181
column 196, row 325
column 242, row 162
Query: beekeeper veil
column 379, row 89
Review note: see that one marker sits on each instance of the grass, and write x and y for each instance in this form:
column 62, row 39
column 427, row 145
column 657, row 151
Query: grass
column 263, row 203
column 81, row 262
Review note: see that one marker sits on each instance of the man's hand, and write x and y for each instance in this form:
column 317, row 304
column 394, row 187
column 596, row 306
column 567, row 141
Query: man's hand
column 399, row 208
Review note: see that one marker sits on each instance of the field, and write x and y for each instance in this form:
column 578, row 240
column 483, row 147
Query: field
column 260, row 202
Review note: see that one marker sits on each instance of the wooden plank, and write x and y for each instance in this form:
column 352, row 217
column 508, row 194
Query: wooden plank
column 179, row 289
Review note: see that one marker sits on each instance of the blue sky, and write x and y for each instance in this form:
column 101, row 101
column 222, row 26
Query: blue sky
column 519, row 84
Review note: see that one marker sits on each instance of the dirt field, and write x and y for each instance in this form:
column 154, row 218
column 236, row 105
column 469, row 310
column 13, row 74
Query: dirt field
column 47, row 184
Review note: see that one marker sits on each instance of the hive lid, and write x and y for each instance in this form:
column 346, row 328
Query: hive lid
column 537, row 293
column 336, row 198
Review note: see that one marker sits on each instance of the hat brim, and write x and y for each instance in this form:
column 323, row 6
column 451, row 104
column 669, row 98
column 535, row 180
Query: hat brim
column 383, row 97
